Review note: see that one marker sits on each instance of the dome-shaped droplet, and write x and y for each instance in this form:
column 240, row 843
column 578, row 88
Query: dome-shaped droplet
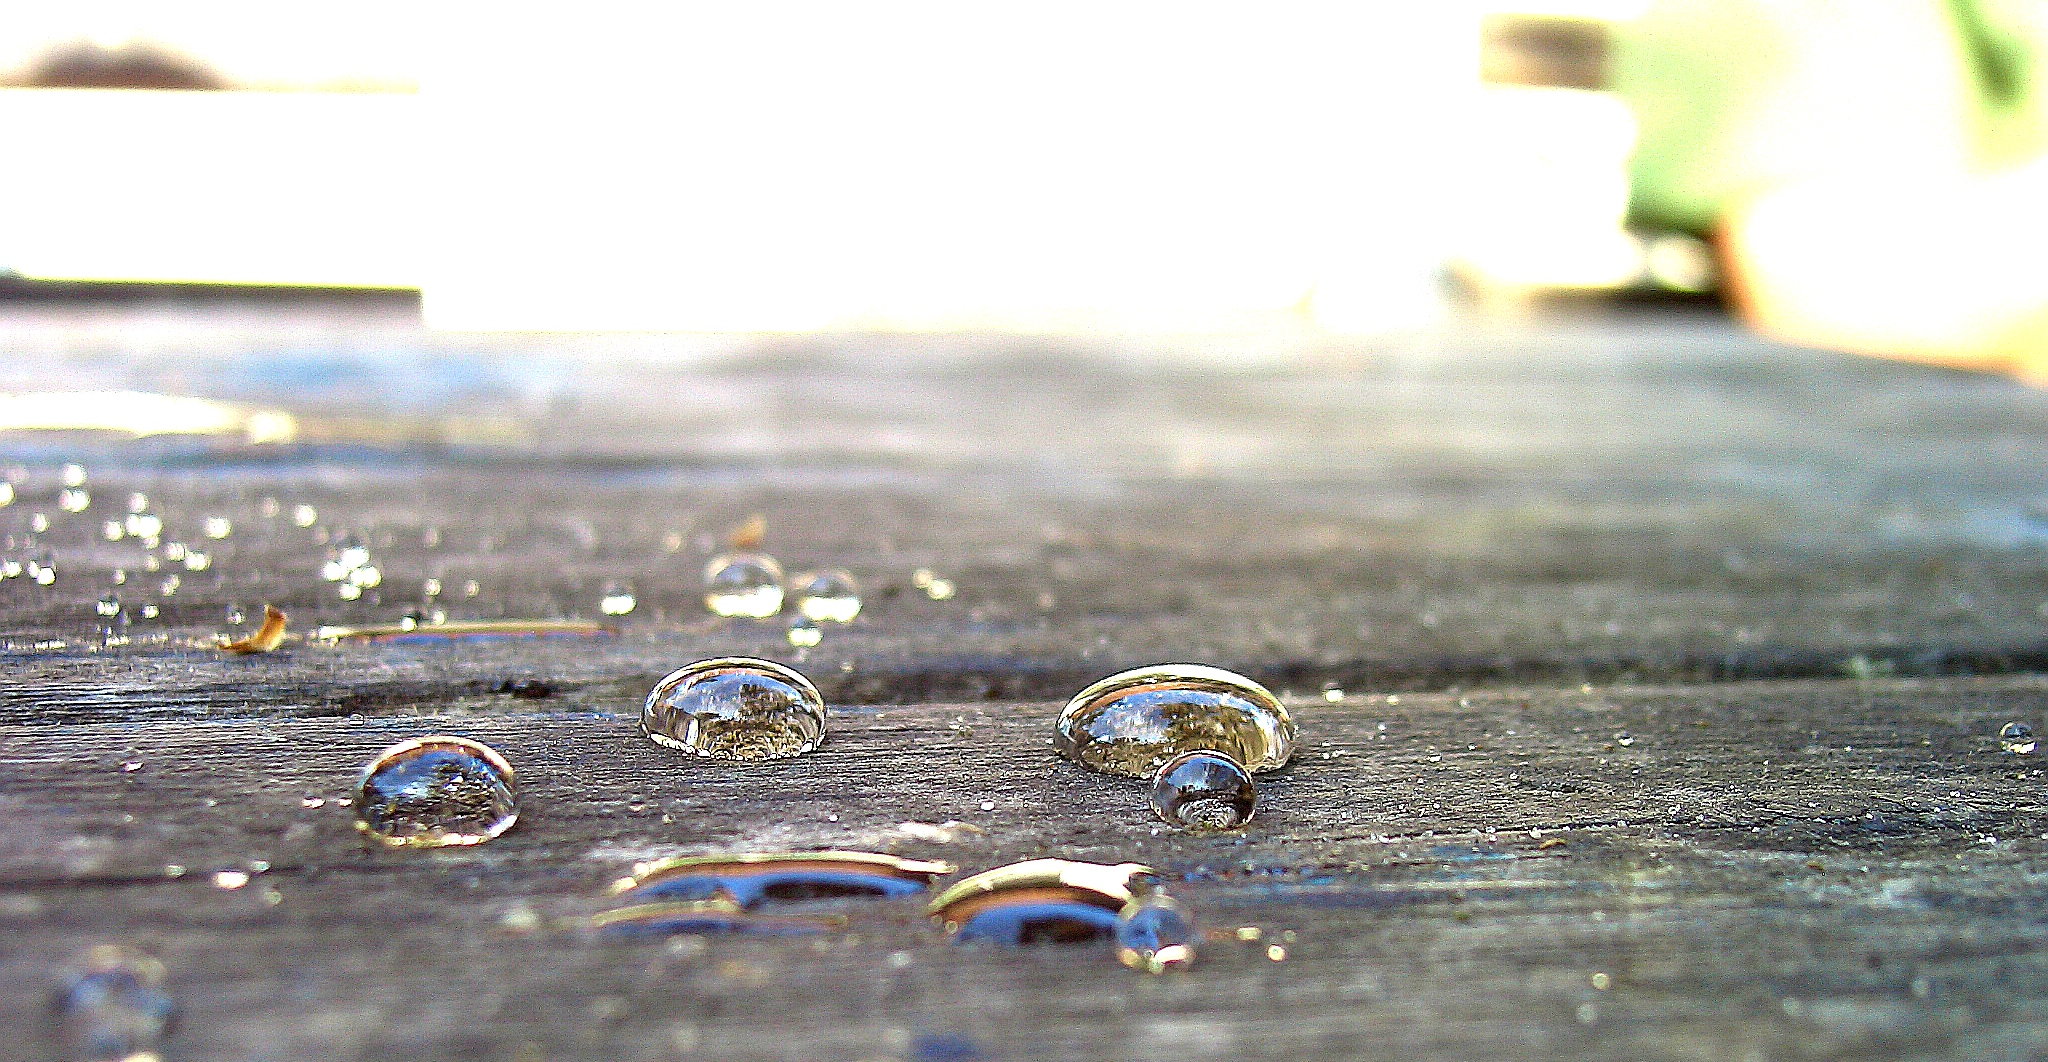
column 827, row 596
column 1042, row 901
column 736, row 708
column 436, row 791
column 2017, row 738
column 743, row 584
column 804, row 633
column 1153, row 933
column 616, row 600
column 113, row 1006
column 1204, row 791
column 1133, row 722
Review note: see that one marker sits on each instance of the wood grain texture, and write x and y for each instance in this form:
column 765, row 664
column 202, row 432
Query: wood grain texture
column 1507, row 550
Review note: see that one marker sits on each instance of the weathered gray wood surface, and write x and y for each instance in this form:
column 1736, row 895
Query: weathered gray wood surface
column 1539, row 542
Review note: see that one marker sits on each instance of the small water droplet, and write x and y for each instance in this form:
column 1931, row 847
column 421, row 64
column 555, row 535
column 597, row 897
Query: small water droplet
column 43, row 574
column 108, row 606
column 150, row 611
column 2017, row 738
column 198, row 560
column 1276, row 953
column 988, row 805
column 431, row 588
column 6, row 493
column 114, row 1007
column 1333, row 694
column 304, row 515
column 349, row 591
column 74, row 500
column 743, row 584
column 803, row 633
column 235, row 616
column 472, row 588
column 827, row 596
column 436, row 791
column 617, row 600
column 940, row 590
column 1133, row 722
column 38, row 522
column 312, row 802
column 130, row 766
column 170, row 585
column 365, row 577
column 230, row 879
column 74, row 475
column 735, row 708
column 112, row 530
column 1204, row 791
column 143, row 525
column 1624, row 738
column 1155, row 934
column 218, row 527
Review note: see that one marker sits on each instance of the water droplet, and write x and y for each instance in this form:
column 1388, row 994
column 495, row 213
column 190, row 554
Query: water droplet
column 312, row 802
column 803, row 633
column 235, row 616
column 114, row 1007
column 827, row 596
column 1154, row 934
column 1276, row 953
column 365, row 577
column 743, row 584
column 198, row 560
column 1204, row 791
column 174, row 551
column 74, row 500
column 1333, row 694
column 74, row 475
column 617, row 600
column 753, row 878
column 1041, row 901
column 143, row 525
column 1131, row 723
column 940, row 590
column 735, row 708
column 170, row 585
column 108, row 606
column 112, row 530
column 2017, row 738
column 150, row 611
column 230, row 879
column 472, row 588
column 6, row 493
column 436, row 791
column 38, row 522
column 44, row 574
column 1624, row 738
column 431, row 588
column 304, row 515
column 130, row 766
column 349, row 591
column 218, row 527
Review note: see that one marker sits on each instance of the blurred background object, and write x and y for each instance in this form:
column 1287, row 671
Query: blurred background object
column 1856, row 175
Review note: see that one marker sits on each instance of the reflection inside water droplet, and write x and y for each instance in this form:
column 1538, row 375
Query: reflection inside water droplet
column 113, row 1007
column 827, row 596
column 1133, row 722
column 1042, row 901
column 704, row 916
column 2017, row 738
column 751, row 879
column 436, row 791
column 1204, row 791
column 743, row 584
column 735, row 708
column 1155, row 934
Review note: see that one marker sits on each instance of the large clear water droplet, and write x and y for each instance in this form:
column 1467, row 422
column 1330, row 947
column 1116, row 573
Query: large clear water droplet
column 735, row 708
column 751, row 879
column 1155, row 934
column 1132, row 723
column 2017, row 738
column 436, row 791
column 1042, row 901
column 113, row 1007
column 743, row 584
column 1204, row 791
column 827, row 596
